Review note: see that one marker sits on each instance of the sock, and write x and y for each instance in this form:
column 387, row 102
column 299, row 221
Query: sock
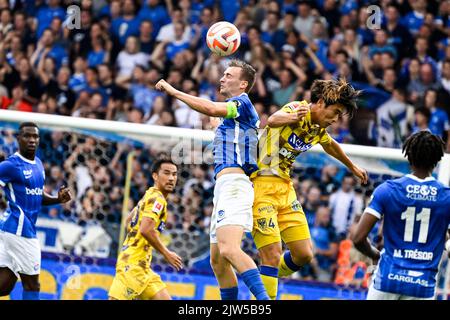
column 287, row 266
column 30, row 295
column 269, row 277
column 253, row 281
column 229, row 293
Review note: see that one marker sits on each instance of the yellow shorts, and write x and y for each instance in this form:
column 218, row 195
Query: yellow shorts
column 277, row 214
column 126, row 286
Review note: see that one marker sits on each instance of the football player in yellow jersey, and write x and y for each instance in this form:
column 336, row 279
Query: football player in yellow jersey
column 277, row 214
column 134, row 279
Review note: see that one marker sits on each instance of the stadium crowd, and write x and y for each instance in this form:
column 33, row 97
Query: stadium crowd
column 108, row 68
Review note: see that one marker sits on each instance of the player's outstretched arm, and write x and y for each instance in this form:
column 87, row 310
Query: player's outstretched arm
column 148, row 231
column 335, row 150
column 210, row 108
column 360, row 240
column 283, row 117
column 64, row 196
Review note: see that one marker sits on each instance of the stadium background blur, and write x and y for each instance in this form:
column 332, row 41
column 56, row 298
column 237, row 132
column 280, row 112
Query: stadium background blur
column 108, row 68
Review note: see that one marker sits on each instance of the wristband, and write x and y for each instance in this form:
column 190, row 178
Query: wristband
column 231, row 110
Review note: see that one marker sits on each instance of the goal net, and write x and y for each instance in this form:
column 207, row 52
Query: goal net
column 107, row 166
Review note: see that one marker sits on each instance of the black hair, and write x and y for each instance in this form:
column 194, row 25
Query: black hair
column 27, row 124
column 335, row 92
column 424, row 150
column 157, row 164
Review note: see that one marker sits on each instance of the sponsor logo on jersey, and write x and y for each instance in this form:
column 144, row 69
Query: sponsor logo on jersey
column 157, row 207
column 421, row 192
column 27, row 173
column 408, row 278
column 34, row 192
column 261, row 223
column 296, row 206
column 298, row 144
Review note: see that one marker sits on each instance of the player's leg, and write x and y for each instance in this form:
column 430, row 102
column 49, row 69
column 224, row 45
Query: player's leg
column 299, row 253
column 163, row 294
column 31, row 286
column 225, row 275
column 7, row 281
column 8, row 278
column 266, row 233
column 229, row 238
column 26, row 256
column 270, row 260
column 295, row 233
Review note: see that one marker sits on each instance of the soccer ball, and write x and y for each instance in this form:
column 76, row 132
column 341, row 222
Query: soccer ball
column 223, row 38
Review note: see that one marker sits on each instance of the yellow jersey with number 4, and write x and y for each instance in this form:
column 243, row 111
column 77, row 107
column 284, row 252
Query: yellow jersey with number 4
column 278, row 147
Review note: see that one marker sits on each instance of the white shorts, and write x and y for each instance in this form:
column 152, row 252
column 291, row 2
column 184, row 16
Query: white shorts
column 21, row 255
column 374, row 294
column 233, row 202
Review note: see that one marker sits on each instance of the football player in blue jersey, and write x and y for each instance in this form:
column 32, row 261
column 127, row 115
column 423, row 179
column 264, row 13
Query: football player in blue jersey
column 416, row 216
column 22, row 176
column 235, row 153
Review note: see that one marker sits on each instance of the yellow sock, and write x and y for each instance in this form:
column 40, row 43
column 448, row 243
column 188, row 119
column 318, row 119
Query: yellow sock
column 269, row 277
column 287, row 266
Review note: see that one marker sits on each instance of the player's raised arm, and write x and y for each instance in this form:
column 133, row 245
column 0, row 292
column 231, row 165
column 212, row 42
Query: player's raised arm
column 149, row 232
column 334, row 149
column 290, row 114
column 205, row 106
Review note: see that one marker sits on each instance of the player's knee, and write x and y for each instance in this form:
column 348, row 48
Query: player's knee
column 31, row 286
column 229, row 252
column 270, row 255
column 303, row 257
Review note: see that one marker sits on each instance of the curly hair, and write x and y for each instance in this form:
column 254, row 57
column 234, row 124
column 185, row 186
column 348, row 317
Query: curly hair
column 336, row 92
column 424, row 150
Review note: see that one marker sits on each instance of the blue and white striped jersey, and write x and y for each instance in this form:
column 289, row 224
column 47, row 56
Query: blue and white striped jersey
column 416, row 218
column 23, row 183
column 236, row 140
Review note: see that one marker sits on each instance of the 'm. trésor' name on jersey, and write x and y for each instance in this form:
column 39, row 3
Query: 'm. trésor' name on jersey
column 421, row 192
column 413, row 254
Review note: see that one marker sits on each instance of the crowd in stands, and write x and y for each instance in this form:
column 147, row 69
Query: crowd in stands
column 108, row 68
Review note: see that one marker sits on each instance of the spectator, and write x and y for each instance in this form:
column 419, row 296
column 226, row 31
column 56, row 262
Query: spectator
column 325, row 245
column 46, row 47
column 345, row 204
column 422, row 117
column 47, row 13
column 127, row 24
column 156, row 13
column 305, row 19
column 130, row 57
column 167, row 31
column 439, row 123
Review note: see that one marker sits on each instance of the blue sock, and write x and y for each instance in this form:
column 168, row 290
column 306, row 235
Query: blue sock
column 253, row 281
column 30, row 295
column 289, row 262
column 229, row 293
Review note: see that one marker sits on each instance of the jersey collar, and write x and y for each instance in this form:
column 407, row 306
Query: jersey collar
column 25, row 159
column 411, row 176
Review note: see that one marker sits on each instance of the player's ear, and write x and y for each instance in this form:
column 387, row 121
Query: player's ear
column 244, row 85
column 155, row 176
